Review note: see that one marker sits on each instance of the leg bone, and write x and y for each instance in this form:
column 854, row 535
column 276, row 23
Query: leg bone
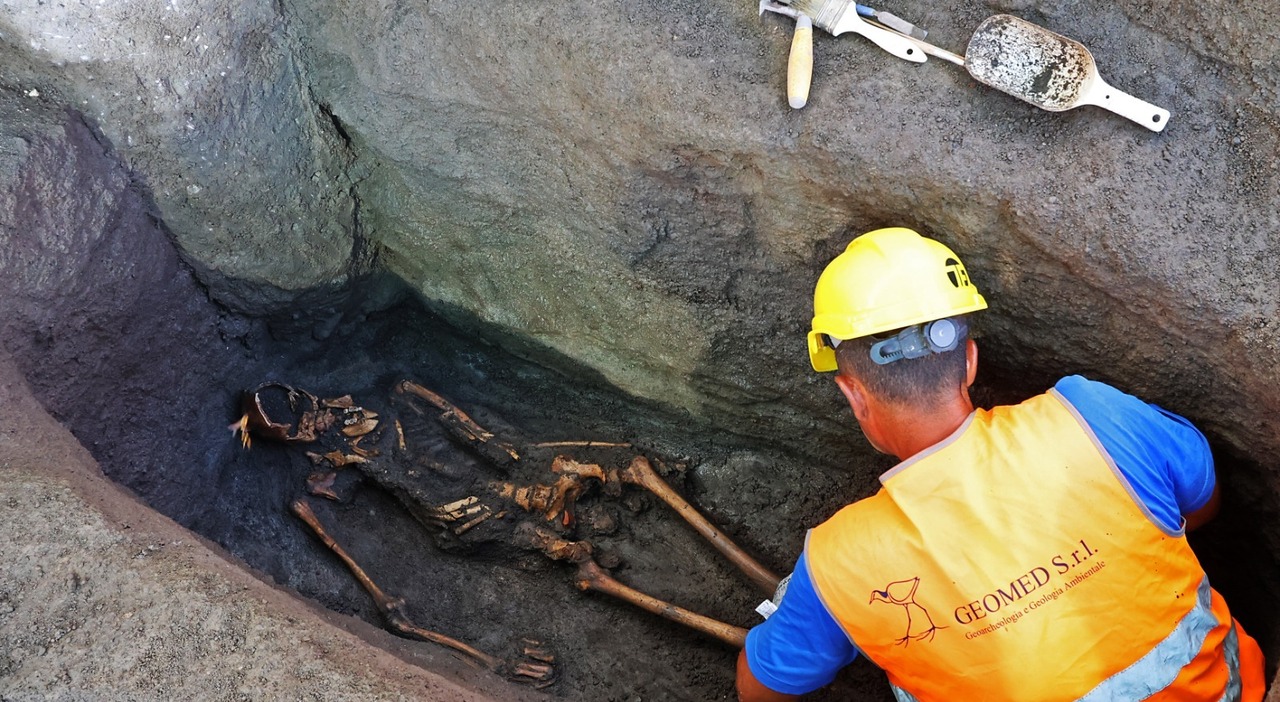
column 391, row 607
column 591, row 577
column 641, row 473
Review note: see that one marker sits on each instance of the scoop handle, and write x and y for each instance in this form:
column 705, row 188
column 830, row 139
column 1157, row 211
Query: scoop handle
column 1125, row 105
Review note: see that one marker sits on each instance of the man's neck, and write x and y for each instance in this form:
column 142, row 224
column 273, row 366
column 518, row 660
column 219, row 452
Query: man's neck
column 910, row 430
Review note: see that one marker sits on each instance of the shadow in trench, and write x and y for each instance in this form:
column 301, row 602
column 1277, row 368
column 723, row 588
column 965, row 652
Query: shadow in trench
column 1239, row 556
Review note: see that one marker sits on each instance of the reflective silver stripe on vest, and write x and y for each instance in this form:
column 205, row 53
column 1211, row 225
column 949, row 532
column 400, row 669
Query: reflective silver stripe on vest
column 902, row 695
column 1160, row 666
column 1231, row 651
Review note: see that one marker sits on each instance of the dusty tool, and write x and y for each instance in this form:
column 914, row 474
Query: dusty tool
column 1043, row 68
column 918, row 38
column 892, row 21
column 840, row 16
column 800, row 61
column 1048, row 70
column 882, row 19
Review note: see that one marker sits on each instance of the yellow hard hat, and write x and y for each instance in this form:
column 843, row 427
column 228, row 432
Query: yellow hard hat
column 885, row 280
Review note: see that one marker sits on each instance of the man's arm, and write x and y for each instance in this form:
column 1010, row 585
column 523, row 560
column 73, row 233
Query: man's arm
column 1202, row 516
column 1165, row 459
column 797, row 650
column 750, row 689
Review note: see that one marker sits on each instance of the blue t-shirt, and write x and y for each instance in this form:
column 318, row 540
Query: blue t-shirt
column 1166, row 460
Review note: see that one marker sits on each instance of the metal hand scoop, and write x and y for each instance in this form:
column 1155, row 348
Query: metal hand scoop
column 1048, row 70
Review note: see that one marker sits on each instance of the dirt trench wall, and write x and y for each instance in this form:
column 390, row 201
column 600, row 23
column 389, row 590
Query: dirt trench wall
column 624, row 184
column 207, row 105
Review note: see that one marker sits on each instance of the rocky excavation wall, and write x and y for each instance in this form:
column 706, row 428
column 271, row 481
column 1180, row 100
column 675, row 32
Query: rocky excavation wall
column 621, row 184
column 620, row 187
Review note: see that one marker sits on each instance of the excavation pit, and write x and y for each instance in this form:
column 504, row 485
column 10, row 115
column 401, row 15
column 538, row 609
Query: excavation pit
column 128, row 351
column 490, row 595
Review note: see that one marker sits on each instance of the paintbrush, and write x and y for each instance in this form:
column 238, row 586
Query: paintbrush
column 886, row 30
column 840, row 16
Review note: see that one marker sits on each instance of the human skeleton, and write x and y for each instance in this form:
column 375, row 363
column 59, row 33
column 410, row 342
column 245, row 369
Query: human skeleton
column 539, row 516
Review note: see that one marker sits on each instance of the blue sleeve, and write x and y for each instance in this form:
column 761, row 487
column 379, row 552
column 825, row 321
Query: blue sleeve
column 799, row 648
column 1165, row 459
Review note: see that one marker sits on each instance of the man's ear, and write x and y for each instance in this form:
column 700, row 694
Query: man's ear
column 855, row 393
column 970, row 362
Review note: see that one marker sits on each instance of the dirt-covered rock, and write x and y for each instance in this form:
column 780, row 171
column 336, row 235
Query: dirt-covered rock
column 625, row 186
column 210, row 109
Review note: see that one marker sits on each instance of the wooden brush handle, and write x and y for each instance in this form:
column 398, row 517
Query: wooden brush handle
column 800, row 64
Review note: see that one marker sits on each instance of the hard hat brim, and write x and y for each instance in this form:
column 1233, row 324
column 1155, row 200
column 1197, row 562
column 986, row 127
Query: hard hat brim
column 821, row 356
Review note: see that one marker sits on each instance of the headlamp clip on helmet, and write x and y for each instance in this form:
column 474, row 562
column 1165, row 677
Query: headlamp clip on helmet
column 917, row 341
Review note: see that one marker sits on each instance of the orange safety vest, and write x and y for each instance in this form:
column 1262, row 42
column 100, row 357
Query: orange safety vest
column 1012, row 561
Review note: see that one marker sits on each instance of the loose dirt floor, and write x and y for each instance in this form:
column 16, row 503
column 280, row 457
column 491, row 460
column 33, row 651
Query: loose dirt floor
column 152, row 399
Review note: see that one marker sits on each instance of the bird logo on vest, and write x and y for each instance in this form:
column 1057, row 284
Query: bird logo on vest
column 920, row 625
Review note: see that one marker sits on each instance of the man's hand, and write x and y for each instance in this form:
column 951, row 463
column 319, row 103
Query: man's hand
column 750, row 689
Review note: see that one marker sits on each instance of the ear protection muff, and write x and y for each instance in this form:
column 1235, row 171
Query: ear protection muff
column 917, row 341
